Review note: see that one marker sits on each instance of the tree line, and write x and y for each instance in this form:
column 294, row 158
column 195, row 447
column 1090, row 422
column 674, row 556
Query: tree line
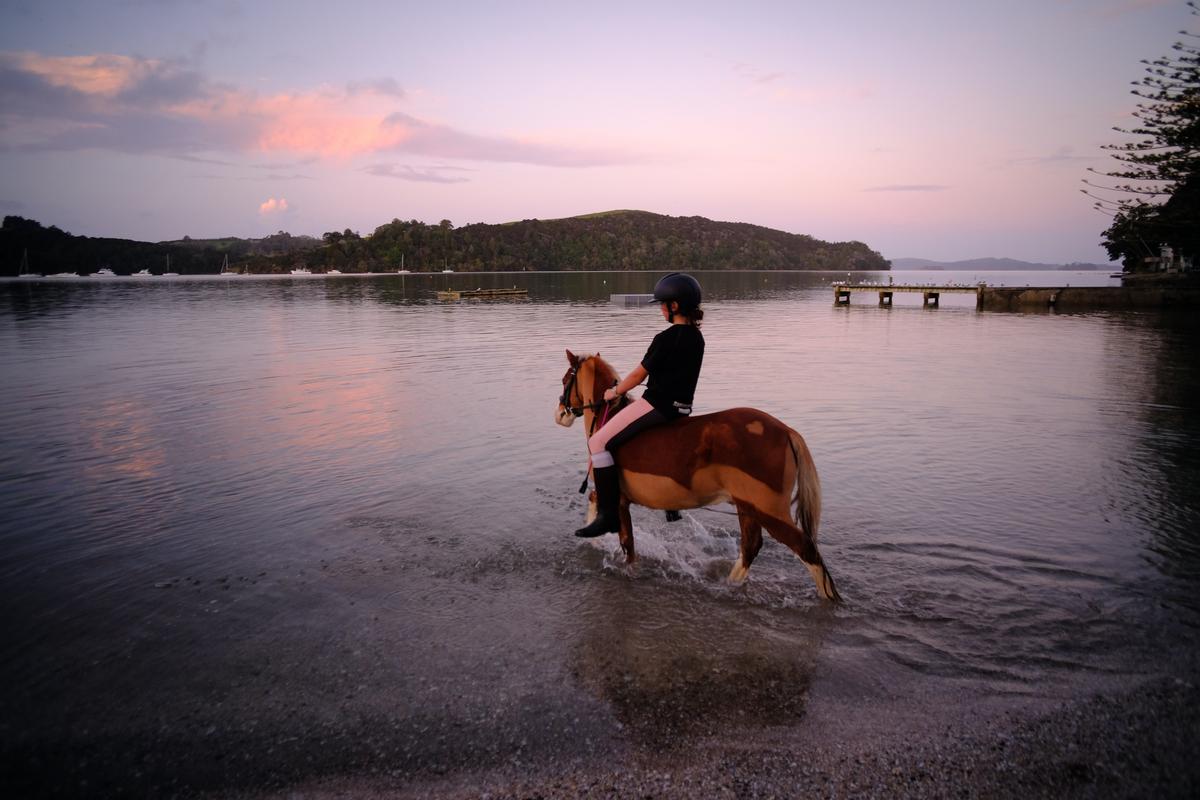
column 26, row 243
column 618, row 240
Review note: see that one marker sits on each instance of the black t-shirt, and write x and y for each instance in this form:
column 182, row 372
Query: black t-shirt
column 673, row 362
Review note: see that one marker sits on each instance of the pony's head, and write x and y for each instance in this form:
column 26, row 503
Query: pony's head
column 583, row 387
column 571, row 402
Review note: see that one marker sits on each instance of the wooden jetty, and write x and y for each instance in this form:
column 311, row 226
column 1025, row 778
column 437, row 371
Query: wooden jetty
column 1037, row 298
column 481, row 294
column 931, row 294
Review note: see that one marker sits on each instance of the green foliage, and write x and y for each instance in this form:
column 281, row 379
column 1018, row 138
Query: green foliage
column 1158, row 177
column 615, row 240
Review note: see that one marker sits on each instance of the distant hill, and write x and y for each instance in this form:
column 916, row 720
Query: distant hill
column 992, row 265
column 611, row 240
column 616, row 240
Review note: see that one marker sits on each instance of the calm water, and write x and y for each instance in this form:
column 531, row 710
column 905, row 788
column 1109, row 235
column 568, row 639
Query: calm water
column 258, row 530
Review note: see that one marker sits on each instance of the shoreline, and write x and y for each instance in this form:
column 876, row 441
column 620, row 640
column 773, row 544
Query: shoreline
column 1111, row 736
column 121, row 277
column 1123, row 743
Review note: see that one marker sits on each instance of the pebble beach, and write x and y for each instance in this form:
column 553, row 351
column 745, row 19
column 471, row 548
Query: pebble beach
column 1135, row 742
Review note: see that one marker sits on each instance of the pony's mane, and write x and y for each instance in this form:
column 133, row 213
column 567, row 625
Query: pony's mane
column 601, row 363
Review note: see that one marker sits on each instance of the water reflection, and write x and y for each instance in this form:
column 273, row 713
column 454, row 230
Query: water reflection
column 671, row 664
column 123, row 440
column 1166, row 462
column 265, row 495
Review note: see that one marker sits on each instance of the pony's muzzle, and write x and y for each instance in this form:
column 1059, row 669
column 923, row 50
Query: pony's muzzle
column 563, row 416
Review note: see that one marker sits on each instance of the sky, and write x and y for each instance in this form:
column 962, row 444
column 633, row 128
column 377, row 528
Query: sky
column 925, row 128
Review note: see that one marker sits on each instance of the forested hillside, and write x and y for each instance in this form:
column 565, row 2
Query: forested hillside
column 616, row 240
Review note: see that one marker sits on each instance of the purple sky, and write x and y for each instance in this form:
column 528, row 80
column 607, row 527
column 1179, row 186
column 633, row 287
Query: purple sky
column 945, row 130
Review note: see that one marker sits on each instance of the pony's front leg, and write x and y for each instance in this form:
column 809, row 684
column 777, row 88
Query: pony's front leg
column 626, row 532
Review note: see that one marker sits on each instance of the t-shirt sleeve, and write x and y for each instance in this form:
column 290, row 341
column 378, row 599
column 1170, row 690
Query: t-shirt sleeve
column 654, row 355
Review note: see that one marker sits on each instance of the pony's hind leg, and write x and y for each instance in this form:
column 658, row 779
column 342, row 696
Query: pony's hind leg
column 625, row 534
column 800, row 543
column 750, row 544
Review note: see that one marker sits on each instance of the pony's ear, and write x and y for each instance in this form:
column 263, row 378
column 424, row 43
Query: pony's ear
column 571, row 357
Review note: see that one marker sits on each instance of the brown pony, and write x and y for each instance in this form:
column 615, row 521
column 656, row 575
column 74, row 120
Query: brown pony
column 740, row 455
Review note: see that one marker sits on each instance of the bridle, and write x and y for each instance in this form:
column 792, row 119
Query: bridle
column 568, row 387
column 598, row 420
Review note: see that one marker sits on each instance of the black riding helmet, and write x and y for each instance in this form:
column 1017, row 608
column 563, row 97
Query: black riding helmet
column 680, row 287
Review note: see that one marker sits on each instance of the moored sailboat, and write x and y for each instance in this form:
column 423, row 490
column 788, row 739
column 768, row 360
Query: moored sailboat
column 24, row 271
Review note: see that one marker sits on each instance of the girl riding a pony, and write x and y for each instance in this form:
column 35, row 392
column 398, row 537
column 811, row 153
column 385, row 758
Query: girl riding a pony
column 672, row 364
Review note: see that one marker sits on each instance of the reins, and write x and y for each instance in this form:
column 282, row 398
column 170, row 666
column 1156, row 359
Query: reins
column 598, row 420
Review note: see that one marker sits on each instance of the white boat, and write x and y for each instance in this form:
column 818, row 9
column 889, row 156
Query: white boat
column 302, row 271
column 64, row 275
column 104, row 272
column 225, row 268
column 403, row 272
column 447, row 270
column 168, row 273
column 23, row 271
column 143, row 273
column 333, row 272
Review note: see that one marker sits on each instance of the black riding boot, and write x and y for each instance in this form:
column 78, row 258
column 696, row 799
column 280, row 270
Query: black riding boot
column 608, row 493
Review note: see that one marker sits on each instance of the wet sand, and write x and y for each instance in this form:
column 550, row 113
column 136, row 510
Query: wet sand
column 1136, row 742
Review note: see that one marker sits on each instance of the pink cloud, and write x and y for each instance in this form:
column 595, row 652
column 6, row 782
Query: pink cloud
column 273, row 206
column 144, row 105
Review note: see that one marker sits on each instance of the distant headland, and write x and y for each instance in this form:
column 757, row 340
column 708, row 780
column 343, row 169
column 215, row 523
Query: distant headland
column 611, row 240
column 994, row 265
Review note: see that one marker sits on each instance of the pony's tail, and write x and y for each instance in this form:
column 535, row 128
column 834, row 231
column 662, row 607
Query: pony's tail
column 806, row 511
